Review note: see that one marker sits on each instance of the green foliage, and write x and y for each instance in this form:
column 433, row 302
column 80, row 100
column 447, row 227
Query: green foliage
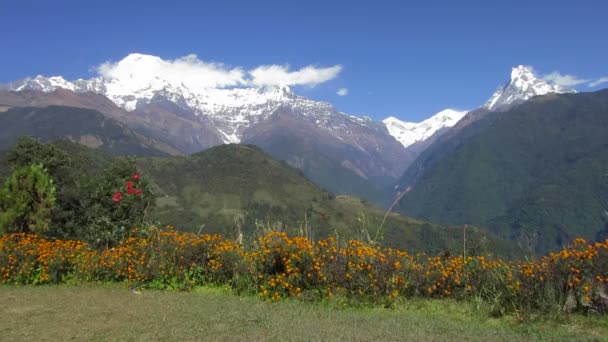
column 86, row 180
column 70, row 167
column 533, row 174
column 29, row 150
column 26, row 200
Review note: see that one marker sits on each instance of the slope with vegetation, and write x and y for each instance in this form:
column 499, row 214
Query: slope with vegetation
column 239, row 189
column 535, row 173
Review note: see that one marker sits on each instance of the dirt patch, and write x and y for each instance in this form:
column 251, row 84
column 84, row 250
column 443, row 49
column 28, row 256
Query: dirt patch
column 90, row 141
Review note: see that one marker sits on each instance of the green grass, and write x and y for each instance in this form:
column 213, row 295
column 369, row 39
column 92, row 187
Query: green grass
column 115, row 313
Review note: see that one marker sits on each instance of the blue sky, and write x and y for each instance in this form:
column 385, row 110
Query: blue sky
column 403, row 58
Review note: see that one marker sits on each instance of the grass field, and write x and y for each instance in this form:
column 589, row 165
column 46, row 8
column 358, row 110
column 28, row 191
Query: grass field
column 115, row 313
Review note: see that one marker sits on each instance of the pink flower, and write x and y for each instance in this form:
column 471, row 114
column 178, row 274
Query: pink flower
column 136, row 176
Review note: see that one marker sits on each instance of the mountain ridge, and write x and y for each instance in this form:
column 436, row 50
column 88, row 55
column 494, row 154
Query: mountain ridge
column 534, row 173
column 84, row 126
column 231, row 111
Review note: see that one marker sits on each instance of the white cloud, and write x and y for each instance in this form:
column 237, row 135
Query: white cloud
column 280, row 75
column 138, row 70
column 189, row 70
column 342, row 92
column 563, row 80
column 599, row 81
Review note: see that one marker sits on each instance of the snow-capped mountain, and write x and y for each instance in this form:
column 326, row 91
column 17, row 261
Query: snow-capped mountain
column 344, row 153
column 230, row 110
column 523, row 85
column 409, row 133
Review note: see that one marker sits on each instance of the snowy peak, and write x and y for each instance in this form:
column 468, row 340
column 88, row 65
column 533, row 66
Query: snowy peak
column 225, row 100
column 134, row 59
column 276, row 92
column 139, row 78
column 409, row 133
column 523, row 85
column 522, row 75
column 42, row 83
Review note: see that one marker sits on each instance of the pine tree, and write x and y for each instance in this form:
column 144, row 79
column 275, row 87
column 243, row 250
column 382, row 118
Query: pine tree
column 26, row 200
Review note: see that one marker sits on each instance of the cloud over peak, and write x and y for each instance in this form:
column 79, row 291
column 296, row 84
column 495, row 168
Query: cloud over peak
column 599, row 81
column 564, row 80
column 342, row 92
column 195, row 73
column 281, row 75
column 570, row 80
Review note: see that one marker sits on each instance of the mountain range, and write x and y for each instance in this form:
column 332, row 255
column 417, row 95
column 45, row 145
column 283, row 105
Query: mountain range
column 344, row 153
column 528, row 164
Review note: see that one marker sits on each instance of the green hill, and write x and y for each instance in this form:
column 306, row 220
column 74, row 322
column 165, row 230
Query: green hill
column 535, row 174
column 228, row 181
column 240, row 185
column 84, row 126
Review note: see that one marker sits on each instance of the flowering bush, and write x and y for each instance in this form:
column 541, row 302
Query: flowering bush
column 116, row 203
column 287, row 267
column 278, row 266
column 28, row 259
column 167, row 258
